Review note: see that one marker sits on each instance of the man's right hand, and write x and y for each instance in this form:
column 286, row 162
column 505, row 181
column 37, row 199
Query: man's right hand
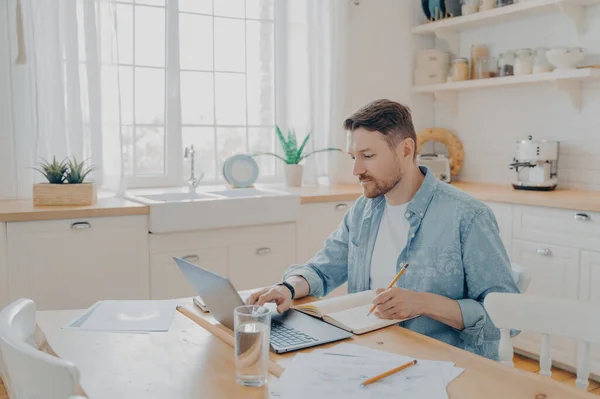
column 278, row 294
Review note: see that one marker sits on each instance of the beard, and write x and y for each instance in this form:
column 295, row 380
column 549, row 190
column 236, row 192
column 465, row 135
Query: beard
column 373, row 187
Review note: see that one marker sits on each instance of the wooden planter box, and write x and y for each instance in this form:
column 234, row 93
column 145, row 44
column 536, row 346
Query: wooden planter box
column 64, row 194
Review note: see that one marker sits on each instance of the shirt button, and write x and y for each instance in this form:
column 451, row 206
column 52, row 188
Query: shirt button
column 413, row 235
column 421, row 213
column 407, row 214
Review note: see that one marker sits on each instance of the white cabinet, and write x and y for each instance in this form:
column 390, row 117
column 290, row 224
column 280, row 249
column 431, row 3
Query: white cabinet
column 590, row 291
column 504, row 217
column 3, row 267
column 315, row 224
column 554, row 273
column 72, row 263
column 249, row 256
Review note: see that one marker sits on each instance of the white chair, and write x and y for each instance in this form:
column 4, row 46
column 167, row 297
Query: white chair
column 548, row 316
column 29, row 373
column 521, row 275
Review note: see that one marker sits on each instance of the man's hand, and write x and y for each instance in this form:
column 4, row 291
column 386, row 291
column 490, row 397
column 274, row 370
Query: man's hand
column 278, row 294
column 397, row 303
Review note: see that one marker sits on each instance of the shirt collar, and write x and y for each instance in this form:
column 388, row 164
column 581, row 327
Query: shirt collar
column 419, row 203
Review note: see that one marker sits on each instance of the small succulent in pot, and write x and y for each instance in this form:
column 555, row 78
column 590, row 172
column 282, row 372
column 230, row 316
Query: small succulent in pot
column 53, row 171
column 77, row 171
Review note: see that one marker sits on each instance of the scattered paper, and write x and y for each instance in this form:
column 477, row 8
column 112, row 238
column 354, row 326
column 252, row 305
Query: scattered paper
column 130, row 316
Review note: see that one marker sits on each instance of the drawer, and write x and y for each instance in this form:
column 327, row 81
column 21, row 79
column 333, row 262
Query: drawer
column 81, row 224
column 166, row 279
column 259, row 265
column 557, row 226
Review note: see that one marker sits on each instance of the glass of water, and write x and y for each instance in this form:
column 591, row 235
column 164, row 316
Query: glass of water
column 252, row 327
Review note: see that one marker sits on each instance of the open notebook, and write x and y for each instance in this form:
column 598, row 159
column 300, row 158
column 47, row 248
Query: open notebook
column 348, row 312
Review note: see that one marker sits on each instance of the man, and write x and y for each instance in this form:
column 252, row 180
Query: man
column 449, row 239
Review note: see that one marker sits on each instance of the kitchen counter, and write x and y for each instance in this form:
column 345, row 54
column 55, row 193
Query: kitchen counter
column 580, row 200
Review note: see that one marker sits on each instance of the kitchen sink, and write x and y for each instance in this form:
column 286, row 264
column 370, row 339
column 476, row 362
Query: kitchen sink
column 173, row 210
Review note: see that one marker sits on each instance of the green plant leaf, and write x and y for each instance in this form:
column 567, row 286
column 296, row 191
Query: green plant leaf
column 269, row 153
column 301, row 149
column 53, row 171
column 321, row 150
column 77, row 171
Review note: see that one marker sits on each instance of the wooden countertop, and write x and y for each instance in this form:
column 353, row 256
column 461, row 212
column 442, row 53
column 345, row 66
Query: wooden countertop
column 23, row 210
column 580, row 200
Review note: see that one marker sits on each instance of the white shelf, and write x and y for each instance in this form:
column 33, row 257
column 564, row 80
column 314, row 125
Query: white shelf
column 524, row 9
column 567, row 81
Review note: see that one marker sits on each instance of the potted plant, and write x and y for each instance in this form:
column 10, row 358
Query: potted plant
column 66, row 184
column 293, row 155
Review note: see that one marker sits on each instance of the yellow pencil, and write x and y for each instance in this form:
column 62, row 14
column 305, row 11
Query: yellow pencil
column 392, row 371
column 391, row 284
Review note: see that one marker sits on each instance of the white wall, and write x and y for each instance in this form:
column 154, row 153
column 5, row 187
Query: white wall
column 491, row 120
column 7, row 176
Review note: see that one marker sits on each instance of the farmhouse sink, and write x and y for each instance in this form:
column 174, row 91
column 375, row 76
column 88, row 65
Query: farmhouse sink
column 178, row 210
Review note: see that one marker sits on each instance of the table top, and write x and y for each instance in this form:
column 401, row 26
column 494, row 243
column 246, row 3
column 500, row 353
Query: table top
column 189, row 362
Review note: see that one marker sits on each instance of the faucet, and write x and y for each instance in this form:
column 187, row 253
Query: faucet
column 193, row 182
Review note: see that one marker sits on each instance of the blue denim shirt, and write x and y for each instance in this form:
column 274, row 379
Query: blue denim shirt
column 453, row 249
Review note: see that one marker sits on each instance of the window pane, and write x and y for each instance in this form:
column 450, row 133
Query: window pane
column 230, row 141
column 230, row 99
column 197, row 101
column 128, row 160
column 203, row 139
column 149, row 95
column 149, row 36
column 149, row 150
column 199, row 6
column 109, row 91
column 125, row 32
column 195, row 42
column 230, row 8
column 229, row 45
column 262, row 140
column 259, row 9
column 126, row 86
column 261, row 73
column 151, row 2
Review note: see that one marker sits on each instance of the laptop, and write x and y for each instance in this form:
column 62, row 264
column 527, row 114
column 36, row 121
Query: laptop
column 290, row 331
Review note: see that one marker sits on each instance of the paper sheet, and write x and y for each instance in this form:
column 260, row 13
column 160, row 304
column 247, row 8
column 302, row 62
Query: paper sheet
column 359, row 319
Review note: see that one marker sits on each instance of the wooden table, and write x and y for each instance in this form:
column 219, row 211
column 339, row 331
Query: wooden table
column 188, row 362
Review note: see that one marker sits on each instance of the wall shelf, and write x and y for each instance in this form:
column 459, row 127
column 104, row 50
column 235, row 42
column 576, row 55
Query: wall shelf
column 568, row 81
column 449, row 29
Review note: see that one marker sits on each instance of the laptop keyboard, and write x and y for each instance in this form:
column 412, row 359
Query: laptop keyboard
column 283, row 336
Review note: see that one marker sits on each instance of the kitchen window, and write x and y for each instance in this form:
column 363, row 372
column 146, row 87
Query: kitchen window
column 195, row 72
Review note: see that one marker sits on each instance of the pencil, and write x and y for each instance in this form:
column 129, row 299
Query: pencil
column 392, row 371
column 391, row 284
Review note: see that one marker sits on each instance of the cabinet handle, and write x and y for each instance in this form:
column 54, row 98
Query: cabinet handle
column 341, row 207
column 544, row 251
column 191, row 258
column 81, row 225
column 584, row 217
column 263, row 251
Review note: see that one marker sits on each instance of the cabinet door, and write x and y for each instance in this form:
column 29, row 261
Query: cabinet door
column 504, row 217
column 166, row 279
column 3, row 267
column 72, row 263
column 315, row 224
column 554, row 273
column 260, row 264
column 590, row 291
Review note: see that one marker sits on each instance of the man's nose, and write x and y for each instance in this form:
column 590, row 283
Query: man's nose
column 358, row 169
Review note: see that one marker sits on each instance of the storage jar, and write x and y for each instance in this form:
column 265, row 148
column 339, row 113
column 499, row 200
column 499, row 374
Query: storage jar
column 506, row 63
column 540, row 62
column 460, row 69
column 523, row 62
column 470, row 7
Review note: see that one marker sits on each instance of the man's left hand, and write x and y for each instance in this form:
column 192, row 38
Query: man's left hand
column 397, row 303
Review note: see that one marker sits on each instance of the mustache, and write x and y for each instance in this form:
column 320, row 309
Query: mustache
column 364, row 177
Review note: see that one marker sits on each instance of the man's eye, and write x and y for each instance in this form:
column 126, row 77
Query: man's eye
column 368, row 156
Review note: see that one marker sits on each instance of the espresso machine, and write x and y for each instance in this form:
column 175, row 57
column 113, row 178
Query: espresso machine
column 536, row 165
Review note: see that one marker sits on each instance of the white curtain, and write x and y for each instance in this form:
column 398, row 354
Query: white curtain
column 312, row 60
column 66, row 89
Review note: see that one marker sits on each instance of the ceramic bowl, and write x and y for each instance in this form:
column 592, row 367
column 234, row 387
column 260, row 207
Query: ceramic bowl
column 565, row 58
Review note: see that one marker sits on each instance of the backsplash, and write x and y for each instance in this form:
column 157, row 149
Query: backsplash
column 491, row 120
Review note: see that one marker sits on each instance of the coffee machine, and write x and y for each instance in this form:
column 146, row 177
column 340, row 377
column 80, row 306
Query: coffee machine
column 536, row 165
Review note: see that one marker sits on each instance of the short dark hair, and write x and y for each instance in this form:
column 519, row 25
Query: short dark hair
column 390, row 118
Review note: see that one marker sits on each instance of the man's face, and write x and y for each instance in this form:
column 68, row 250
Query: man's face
column 378, row 167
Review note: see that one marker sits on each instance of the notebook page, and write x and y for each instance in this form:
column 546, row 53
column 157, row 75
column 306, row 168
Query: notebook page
column 337, row 304
column 357, row 320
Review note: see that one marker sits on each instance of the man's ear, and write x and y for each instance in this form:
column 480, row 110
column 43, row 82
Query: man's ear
column 409, row 147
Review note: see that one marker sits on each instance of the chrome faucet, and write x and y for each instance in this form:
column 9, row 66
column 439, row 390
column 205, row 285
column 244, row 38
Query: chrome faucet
column 193, row 182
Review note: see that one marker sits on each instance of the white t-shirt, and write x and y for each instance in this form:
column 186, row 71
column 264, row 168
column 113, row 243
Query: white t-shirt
column 391, row 240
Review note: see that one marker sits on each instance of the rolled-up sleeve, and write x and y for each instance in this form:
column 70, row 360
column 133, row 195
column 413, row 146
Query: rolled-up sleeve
column 487, row 269
column 328, row 269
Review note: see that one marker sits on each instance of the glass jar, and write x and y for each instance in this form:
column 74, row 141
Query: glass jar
column 506, row 63
column 502, row 3
column 478, row 51
column 453, row 8
column 460, row 69
column 523, row 62
column 487, row 5
column 469, row 7
column 540, row 62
